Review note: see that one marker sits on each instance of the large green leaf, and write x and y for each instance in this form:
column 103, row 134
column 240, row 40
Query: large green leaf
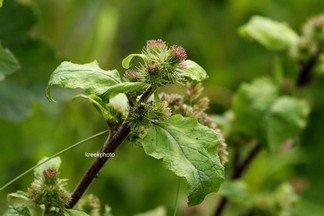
column 189, row 149
column 18, row 93
column 194, row 71
column 250, row 104
column 285, row 119
column 89, row 77
column 261, row 114
column 8, row 63
column 271, row 34
column 17, row 210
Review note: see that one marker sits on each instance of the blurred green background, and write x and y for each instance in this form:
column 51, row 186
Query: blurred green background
column 42, row 33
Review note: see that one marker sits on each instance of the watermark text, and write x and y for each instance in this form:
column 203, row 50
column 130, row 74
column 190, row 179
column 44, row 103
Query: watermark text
column 99, row 154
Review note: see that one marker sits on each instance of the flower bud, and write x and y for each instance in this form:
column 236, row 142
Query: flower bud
column 132, row 75
column 155, row 45
column 179, row 52
column 49, row 191
column 50, row 176
column 202, row 104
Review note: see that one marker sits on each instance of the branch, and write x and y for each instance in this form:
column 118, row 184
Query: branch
column 305, row 69
column 237, row 174
column 109, row 147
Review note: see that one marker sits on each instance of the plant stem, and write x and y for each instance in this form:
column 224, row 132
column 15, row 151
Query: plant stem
column 176, row 199
column 237, row 174
column 305, row 69
column 109, row 147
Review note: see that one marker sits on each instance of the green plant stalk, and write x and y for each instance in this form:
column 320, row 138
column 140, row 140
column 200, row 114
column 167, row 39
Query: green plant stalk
column 53, row 156
column 110, row 146
column 238, row 172
column 177, row 199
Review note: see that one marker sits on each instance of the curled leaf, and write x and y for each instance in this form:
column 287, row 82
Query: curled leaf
column 126, row 61
column 89, row 77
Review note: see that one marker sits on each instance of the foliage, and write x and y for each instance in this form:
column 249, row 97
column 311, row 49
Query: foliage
column 283, row 177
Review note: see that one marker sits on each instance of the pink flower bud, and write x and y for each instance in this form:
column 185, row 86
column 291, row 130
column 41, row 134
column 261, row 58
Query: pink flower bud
column 179, row 52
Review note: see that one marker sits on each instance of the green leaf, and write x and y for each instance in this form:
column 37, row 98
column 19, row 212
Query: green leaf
column 271, row 34
column 0, row 3
column 128, row 59
column 250, row 104
column 53, row 163
column 18, row 210
column 124, row 87
column 194, row 71
column 120, row 101
column 8, row 63
column 285, row 119
column 89, row 77
column 189, row 149
column 15, row 100
column 97, row 102
column 236, row 191
column 19, row 194
column 260, row 113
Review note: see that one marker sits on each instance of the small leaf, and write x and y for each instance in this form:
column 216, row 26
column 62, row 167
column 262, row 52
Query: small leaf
column 8, row 63
column 53, row 163
column 89, row 77
column 285, row 119
column 128, row 59
column 236, row 191
column 120, row 101
column 18, row 210
column 124, row 87
column 194, row 71
column 0, row 3
column 250, row 104
column 19, row 194
column 269, row 33
column 179, row 142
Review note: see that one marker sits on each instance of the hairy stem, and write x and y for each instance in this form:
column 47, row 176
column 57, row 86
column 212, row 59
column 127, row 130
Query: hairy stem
column 240, row 169
column 109, row 147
